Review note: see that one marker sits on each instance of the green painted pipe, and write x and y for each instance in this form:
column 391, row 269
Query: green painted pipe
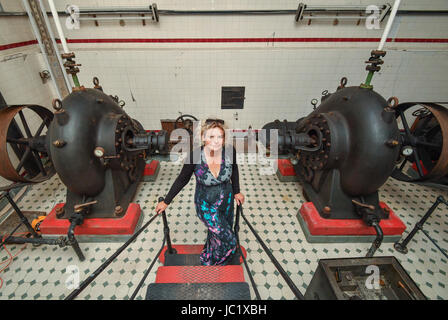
column 75, row 80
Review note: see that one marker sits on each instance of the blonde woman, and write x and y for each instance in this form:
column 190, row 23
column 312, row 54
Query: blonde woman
column 217, row 184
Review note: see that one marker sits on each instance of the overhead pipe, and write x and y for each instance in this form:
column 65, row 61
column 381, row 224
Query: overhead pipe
column 311, row 9
column 150, row 18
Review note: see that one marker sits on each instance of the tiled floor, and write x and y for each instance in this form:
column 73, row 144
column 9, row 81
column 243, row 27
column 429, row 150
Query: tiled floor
column 271, row 207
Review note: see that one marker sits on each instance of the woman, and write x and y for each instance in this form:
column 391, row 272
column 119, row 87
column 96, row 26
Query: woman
column 217, row 184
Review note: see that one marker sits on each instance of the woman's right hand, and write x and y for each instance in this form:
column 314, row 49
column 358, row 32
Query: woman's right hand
column 161, row 206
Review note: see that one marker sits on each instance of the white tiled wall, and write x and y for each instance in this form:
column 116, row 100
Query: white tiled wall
column 20, row 82
column 279, row 83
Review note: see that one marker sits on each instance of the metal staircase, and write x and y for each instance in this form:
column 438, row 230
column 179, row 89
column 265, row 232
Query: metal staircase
column 183, row 278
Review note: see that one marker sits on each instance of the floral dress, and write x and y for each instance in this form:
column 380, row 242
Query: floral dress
column 215, row 208
column 214, row 203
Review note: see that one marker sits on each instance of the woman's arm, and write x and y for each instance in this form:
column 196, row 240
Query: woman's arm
column 239, row 197
column 235, row 178
column 180, row 182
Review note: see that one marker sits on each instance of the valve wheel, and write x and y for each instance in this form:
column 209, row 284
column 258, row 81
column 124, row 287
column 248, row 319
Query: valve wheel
column 186, row 122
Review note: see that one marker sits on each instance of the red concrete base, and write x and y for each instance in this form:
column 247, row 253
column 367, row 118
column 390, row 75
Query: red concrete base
column 285, row 171
column 150, row 168
column 151, row 171
column 285, row 167
column 191, row 249
column 320, row 226
column 95, row 226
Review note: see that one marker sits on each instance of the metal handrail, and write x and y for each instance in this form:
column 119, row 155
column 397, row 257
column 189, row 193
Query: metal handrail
column 282, row 272
column 101, row 268
column 236, row 229
column 167, row 239
column 149, row 269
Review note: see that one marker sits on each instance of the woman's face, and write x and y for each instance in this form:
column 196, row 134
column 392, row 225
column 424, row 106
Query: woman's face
column 214, row 139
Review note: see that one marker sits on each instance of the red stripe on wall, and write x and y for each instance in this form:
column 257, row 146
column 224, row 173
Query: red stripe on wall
column 229, row 40
column 421, row 40
column 245, row 40
column 17, row 44
column 221, row 40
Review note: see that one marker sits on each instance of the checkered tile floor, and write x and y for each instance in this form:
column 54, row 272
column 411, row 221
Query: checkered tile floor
column 271, row 207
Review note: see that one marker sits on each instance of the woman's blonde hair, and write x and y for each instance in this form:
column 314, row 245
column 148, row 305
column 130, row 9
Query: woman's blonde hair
column 211, row 123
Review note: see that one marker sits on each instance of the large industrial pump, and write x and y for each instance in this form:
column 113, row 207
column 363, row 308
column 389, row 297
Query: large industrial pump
column 355, row 142
column 347, row 148
column 97, row 150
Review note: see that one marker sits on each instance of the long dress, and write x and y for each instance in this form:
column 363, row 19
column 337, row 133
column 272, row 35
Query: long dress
column 214, row 203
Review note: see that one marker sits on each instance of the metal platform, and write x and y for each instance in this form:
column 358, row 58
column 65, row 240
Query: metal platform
column 198, row 291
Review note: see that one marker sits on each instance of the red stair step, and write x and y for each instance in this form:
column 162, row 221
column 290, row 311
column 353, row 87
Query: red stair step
column 200, row 274
column 191, row 249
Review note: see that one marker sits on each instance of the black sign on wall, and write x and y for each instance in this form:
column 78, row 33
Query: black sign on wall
column 232, row 97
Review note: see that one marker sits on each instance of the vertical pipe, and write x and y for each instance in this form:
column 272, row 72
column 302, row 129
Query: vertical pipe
column 41, row 46
column 57, row 23
column 378, row 240
column 383, row 40
column 50, row 31
column 389, row 24
column 54, row 12
column 73, row 242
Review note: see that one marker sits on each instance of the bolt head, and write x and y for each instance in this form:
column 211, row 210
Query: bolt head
column 59, row 143
column 59, row 211
column 118, row 210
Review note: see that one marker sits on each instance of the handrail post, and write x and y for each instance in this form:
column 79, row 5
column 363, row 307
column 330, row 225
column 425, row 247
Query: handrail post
column 166, row 231
column 236, row 230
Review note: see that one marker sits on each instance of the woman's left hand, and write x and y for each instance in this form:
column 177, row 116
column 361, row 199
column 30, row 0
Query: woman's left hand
column 239, row 197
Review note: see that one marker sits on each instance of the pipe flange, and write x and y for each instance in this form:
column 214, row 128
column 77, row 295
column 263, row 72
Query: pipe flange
column 317, row 126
